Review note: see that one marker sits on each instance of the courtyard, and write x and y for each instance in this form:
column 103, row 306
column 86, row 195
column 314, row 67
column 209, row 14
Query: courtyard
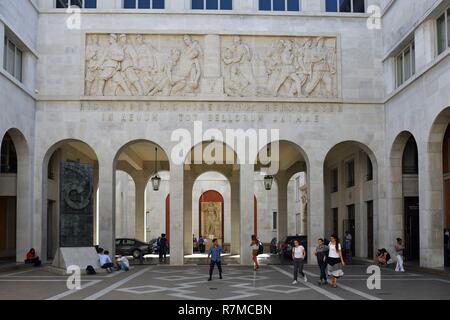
column 271, row 282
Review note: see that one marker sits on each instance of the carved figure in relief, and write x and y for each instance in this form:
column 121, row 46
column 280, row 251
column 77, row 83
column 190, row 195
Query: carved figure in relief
column 92, row 58
column 320, row 61
column 110, row 68
column 190, row 67
column 129, row 65
column 169, row 80
column 238, row 62
column 287, row 68
column 147, row 66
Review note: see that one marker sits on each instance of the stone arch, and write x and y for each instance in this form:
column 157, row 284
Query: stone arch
column 23, row 224
column 50, row 196
column 354, row 204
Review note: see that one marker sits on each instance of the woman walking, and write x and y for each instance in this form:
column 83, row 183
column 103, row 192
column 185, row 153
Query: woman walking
column 335, row 260
column 298, row 255
column 254, row 245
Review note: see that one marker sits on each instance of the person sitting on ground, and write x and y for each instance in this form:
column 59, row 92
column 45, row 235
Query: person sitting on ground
column 122, row 263
column 382, row 257
column 105, row 261
column 32, row 258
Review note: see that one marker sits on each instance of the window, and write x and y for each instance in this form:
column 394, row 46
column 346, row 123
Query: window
column 334, row 180
column 87, row 4
column 405, row 64
column 443, row 32
column 369, row 169
column 297, row 189
column 355, row 6
column 8, row 156
column 12, row 59
column 274, row 220
column 212, row 4
column 143, row 4
column 410, row 162
column 350, row 172
column 279, row 5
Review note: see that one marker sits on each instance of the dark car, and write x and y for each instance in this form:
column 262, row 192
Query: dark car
column 287, row 244
column 132, row 247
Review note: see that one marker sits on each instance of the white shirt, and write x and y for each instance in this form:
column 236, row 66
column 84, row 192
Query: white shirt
column 254, row 246
column 125, row 261
column 299, row 252
column 333, row 252
column 104, row 259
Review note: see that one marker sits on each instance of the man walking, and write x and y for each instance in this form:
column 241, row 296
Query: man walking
column 399, row 252
column 214, row 252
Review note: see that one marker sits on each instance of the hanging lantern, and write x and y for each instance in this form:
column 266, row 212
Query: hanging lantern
column 268, row 180
column 156, row 182
column 156, row 179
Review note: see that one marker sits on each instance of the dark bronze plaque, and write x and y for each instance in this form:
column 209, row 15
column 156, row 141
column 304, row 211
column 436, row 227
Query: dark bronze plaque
column 76, row 205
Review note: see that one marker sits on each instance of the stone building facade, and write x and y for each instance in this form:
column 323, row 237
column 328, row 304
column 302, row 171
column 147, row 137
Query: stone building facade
column 357, row 101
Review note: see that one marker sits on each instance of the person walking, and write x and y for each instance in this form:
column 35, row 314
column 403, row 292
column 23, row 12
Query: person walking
column 298, row 256
column 399, row 253
column 254, row 245
column 321, row 254
column 214, row 252
column 201, row 244
column 335, row 260
column 348, row 246
column 163, row 248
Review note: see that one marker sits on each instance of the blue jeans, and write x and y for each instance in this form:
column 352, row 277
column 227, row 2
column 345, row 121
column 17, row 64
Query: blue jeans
column 322, row 267
column 211, row 268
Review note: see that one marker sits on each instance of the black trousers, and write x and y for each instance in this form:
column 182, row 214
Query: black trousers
column 162, row 254
column 211, row 267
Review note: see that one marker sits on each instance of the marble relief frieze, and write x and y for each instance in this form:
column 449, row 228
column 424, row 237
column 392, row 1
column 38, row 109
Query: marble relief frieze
column 142, row 65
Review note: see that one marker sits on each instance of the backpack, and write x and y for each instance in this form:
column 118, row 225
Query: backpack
column 90, row 270
column 260, row 248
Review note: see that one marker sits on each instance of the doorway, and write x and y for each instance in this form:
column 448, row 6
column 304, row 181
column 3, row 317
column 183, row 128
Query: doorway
column 412, row 230
column 369, row 229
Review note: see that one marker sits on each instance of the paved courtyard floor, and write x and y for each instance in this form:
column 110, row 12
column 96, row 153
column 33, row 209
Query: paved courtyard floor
column 190, row 282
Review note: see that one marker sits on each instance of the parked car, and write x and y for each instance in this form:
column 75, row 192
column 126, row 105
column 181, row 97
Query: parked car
column 132, row 247
column 285, row 246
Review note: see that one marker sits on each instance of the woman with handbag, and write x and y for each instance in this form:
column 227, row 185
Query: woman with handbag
column 335, row 260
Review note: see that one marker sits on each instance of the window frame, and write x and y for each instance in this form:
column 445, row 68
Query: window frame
column 334, row 180
column 351, row 7
column 219, row 8
column 285, row 7
column 136, row 7
column 446, row 15
column 350, row 183
column 17, row 50
column 70, row 5
column 412, row 64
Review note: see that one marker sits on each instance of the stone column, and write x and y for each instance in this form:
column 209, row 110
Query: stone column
column 431, row 205
column 187, row 216
column 246, row 210
column 235, row 219
column 176, row 214
column 316, row 210
column 106, row 215
column 282, row 182
column 140, row 183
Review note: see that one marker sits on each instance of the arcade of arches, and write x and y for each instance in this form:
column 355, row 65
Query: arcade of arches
column 227, row 201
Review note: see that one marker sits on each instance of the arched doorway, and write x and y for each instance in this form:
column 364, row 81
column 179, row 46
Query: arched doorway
column 350, row 184
column 211, row 217
column 70, row 190
column 147, row 165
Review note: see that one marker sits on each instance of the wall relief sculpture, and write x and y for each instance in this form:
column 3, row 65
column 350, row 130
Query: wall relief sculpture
column 132, row 65
column 173, row 65
column 280, row 67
